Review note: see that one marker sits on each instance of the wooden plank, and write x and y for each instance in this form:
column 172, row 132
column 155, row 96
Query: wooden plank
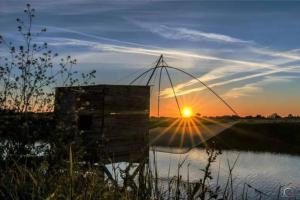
column 119, row 116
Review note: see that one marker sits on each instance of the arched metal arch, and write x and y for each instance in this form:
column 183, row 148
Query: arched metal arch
column 165, row 66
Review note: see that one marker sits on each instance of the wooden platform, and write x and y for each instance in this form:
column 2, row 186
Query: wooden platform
column 112, row 120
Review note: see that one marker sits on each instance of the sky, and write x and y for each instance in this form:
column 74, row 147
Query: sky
column 247, row 51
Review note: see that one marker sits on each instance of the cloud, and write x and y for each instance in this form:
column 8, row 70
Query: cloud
column 167, row 93
column 292, row 54
column 245, row 90
column 218, row 73
column 72, row 7
column 257, row 87
column 133, row 47
column 128, row 47
column 229, row 68
column 98, row 47
column 55, row 29
column 181, row 33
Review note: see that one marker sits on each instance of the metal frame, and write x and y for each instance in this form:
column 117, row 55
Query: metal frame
column 161, row 64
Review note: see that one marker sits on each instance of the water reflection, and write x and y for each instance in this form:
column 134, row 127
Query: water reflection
column 266, row 171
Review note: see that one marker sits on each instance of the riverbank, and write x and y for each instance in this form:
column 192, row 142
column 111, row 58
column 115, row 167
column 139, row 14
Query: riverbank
column 255, row 135
column 185, row 134
column 279, row 136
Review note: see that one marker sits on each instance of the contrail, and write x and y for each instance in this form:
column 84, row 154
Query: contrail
column 167, row 94
column 147, row 49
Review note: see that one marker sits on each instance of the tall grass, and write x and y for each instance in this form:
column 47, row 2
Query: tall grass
column 74, row 180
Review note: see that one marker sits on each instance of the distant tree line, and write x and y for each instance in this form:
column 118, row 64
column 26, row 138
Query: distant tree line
column 258, row 116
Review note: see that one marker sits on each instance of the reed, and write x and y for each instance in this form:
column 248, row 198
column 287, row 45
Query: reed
column 74, row 180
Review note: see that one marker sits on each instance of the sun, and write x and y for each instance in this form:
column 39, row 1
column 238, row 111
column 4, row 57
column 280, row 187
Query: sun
column 187, row 112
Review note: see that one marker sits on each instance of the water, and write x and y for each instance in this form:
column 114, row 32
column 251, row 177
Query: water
column 264, row 171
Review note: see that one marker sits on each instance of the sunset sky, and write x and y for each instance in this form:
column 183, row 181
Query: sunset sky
column 248, row 52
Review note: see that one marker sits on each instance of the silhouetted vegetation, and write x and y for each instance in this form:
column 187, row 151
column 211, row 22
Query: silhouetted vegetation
column 39, row 160
column 29, row 73
column 272, row 136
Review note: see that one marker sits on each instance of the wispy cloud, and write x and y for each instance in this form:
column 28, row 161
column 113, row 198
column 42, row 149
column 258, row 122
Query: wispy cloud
column 245, row 90
column 257, row 87
column 70, row 41
column 127, row 47
column 292, row 54
column 182, row 33
column 167, row 93
column 229, row 69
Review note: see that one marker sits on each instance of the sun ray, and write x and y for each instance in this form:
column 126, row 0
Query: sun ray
column 183, row 133
column 166, row 130
column 191, row 134
column 205, row 127
column 176, row 131
column 198, row 131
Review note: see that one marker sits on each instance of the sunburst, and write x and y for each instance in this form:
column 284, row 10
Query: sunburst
column 187, row 112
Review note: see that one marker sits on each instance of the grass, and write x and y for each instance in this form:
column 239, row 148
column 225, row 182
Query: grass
column 258, row 135
column 245, row 135
column 61, row 174
column 167, row 121
column 71, row 179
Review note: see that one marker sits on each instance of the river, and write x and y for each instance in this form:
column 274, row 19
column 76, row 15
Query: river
column 262, row 170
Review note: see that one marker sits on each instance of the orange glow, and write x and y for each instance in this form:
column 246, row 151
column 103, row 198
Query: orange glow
column 187, row 112
column 187, row 128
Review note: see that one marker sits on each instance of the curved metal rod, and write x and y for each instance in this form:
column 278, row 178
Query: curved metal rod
column 173, row 91
column 153, row 82
column 156, row 67
column 153, row 68
column 158, row 96
column 210, row 89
